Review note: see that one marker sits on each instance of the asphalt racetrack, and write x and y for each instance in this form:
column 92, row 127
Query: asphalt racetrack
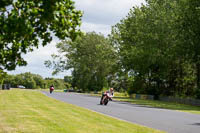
column 162, row 119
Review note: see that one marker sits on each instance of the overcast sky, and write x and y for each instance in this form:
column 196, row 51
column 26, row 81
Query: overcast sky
column 99, row 16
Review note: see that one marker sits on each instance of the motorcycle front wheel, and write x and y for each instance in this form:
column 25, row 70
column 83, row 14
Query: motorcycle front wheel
column 105, row 101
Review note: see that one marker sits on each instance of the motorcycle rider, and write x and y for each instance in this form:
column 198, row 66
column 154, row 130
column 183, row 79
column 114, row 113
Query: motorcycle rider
column 109, row 93
column 51, row 88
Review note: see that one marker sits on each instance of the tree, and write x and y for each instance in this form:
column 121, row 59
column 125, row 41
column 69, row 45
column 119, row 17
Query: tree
column 10, row 79
column 91, row 58
column 57, row 83
column 155, row 47
column 68, row 81
column 39, row 81
column 189, row 34
column 141, row 40
column 2, row 76
column 26, row 23
column 27, row 80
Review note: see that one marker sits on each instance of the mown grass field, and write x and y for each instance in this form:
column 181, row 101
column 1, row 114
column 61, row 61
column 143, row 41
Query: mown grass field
column 26, row 111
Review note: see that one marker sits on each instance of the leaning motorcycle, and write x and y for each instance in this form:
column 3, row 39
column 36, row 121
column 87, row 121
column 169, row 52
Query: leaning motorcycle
column 105, row 99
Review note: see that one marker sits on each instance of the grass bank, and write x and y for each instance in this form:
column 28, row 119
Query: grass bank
column 156, row 104
column 32, row 112
column 164, row 105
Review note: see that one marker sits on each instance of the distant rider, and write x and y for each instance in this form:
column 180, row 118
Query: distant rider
column 51, row 88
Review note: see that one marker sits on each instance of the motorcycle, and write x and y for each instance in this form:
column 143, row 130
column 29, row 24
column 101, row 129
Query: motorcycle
column 51, row 89
column 105, row 99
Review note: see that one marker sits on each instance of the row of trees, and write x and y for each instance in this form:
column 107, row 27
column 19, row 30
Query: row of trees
column 159, row 45
column 34, row 81
column 91, row 58
column 154, row 50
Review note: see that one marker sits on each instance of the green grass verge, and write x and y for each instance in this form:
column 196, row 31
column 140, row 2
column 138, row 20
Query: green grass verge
column 156, row 104
column 26, row 111
column 159, row 104
column 164, row 105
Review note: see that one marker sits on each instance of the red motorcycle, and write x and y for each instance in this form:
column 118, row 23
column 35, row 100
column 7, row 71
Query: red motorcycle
column 51, row 89
column 105, row 99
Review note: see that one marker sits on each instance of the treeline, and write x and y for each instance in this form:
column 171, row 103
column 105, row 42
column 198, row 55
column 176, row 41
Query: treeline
column 91, row 58
column 154, row 50
column 34, row 81
column 159, row 45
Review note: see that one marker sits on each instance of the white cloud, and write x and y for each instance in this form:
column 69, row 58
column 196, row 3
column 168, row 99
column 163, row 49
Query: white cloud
column 36, row 61
column 88, row 27
column 42, row 53
column 107, row 12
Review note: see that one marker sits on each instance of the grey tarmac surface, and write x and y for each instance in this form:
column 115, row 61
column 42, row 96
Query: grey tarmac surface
column 161, row 119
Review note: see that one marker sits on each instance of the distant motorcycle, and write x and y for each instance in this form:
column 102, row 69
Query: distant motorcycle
column 105, row 99
column 51, row 89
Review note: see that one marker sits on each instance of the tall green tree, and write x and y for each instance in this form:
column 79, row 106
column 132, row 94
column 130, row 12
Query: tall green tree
column 189, row 34
column 154, row 44
column 39, row 81
column 26, row 23
column 142, row 46
column 2, row 76
column 91, row 58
